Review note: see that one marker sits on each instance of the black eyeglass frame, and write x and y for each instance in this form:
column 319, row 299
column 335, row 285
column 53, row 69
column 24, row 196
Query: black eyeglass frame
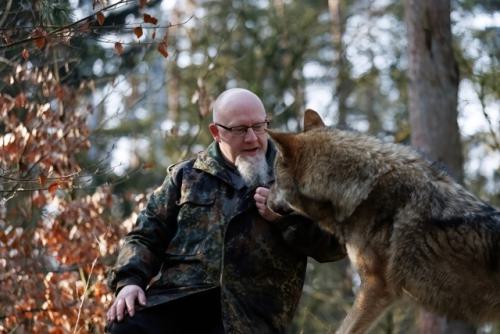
column 240, row 128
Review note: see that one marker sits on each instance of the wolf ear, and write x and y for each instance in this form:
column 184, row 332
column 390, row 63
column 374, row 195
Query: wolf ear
column 286, row 143
column 312, row 120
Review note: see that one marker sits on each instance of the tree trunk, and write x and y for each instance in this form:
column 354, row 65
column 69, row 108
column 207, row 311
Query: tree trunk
column 433, row 83
column 375, row 124
column 432, row 90
column 337, row 8
column 174, row 76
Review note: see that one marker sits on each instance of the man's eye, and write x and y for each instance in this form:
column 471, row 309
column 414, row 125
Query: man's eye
column 240, row 130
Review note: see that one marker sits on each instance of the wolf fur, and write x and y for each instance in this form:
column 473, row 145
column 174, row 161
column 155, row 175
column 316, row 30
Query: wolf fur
column 408, row 228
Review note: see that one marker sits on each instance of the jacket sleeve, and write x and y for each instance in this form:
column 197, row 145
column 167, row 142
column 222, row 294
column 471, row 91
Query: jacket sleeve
column 140, row 257
column 308, row 238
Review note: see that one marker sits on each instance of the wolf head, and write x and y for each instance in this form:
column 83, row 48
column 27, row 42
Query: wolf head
column 324, row 173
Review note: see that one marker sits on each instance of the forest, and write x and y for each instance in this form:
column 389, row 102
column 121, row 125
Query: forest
column 98, row 98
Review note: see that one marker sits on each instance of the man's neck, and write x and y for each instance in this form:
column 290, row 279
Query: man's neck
column 227, row 162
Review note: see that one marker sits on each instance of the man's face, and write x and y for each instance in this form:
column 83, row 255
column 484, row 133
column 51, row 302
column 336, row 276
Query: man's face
column 240, row 112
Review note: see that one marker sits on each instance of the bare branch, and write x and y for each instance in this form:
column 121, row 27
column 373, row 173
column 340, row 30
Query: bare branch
column 85, row 292
column 66, row 27
column 6, row 12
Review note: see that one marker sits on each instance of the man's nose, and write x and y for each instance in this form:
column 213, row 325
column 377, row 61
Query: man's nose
column 250, row 135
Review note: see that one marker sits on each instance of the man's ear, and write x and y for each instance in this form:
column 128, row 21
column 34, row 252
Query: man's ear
column 287, row 143
column 312, row 120
column 214, row 131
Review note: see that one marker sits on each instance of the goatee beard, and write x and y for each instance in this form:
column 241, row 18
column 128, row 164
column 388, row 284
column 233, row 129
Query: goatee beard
column 253, row 169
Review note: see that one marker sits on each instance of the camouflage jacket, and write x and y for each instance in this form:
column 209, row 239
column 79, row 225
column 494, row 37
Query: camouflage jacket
column 201, row 230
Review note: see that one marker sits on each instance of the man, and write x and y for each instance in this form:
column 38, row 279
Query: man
column 226, row 263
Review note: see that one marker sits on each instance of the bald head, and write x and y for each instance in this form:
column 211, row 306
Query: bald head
column 238, row 107
column 234, row 101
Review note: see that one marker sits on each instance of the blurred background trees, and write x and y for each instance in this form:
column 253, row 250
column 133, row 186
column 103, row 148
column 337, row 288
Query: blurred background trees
column 93, row 110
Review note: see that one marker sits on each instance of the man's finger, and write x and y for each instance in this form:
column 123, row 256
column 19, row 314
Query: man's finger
column 142, row 297
column 259, row 198
column 111, row 315
column 130, row 301
column 262, row 191
column 260, row 205
column 120, row 308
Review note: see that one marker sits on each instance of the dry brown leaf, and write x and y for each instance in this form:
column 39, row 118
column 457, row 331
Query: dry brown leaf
column 162, row 48
column 39, row 38
column 59, row 92
column 20, row 100
column 25, row 54
column 119, row 48
column 40, row 42
column 42, row 179
column 100, row 18
column 138, row 31
column 165, row 38
column 150, row 19
column 38, row 199
column 53, row 187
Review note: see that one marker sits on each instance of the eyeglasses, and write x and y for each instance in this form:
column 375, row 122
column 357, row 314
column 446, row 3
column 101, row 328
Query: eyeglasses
column 241, row 130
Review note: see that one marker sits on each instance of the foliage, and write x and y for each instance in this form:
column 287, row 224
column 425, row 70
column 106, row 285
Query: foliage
column 131, row 78
column 58, row 232
column 53, row 235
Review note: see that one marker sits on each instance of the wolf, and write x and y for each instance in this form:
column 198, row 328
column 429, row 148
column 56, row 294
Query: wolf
column 408, row 228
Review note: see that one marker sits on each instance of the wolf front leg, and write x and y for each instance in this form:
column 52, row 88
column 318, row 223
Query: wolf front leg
column 371, row 301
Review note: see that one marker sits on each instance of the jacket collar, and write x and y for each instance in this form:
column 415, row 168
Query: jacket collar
column 211, row 161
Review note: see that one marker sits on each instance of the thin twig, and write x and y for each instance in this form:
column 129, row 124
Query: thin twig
column 84, row 295
column 6, row 12
column 55, row 31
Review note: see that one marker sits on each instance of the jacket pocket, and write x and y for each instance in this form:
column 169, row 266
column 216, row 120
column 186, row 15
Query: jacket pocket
column 195, row 222
column 195, row 197
column 180, row 271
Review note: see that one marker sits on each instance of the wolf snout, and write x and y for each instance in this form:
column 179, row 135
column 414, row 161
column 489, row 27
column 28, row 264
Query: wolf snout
column 276, row 202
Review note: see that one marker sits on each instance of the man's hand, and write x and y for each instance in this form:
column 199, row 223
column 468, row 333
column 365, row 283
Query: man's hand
column 261, row 201
column 126, row 298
